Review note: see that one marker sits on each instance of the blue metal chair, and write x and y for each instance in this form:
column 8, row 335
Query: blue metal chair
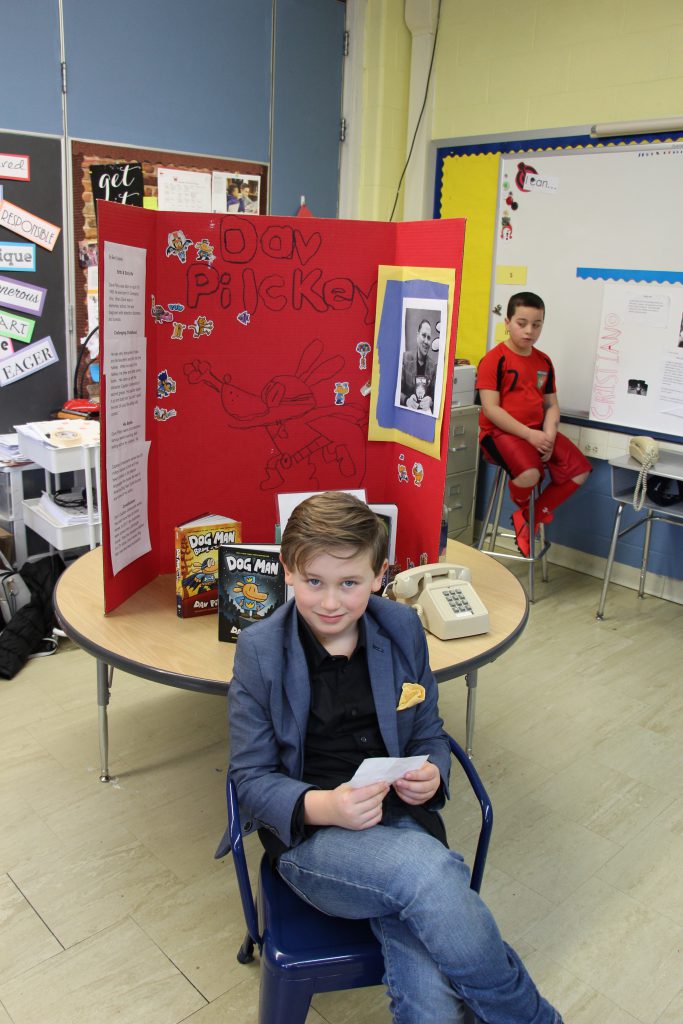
column 302, row 951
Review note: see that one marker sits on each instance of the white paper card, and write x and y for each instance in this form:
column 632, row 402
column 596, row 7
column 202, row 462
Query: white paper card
column 385, row 769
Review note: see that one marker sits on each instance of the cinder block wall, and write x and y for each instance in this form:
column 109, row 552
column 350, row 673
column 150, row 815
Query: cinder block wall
column 554, row 63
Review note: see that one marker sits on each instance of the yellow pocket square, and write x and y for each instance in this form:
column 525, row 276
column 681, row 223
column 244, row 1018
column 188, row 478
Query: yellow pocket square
column 411, row 694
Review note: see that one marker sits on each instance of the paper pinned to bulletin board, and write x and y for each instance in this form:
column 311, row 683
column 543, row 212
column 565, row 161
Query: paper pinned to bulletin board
column 400, row 290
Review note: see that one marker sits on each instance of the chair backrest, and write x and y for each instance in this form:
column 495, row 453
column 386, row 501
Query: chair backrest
column 240, row 862
column 242, row 872
column 486, row 813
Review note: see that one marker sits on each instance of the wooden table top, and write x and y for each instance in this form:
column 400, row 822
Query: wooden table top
column 145, row 637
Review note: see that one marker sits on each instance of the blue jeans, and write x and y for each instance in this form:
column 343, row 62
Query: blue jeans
column 441, row 945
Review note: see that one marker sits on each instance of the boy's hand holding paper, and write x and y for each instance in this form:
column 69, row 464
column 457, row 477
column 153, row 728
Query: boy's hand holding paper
column 385, row 769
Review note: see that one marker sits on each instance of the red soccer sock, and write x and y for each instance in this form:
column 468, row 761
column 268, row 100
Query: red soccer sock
column 551, row 497
column 521, row 526
column 520, row 495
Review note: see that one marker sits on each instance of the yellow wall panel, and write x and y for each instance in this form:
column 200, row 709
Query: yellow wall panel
column 469, row 189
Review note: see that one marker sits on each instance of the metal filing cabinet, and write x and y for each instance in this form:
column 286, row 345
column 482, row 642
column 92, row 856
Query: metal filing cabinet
column 461, row 472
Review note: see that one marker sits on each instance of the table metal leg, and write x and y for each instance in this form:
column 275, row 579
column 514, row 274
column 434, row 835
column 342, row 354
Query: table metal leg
column 610, row 560
column 104, row 678
column 646, row 552
column 471, row 680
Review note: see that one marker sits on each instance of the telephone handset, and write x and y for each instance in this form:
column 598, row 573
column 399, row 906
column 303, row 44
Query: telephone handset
column 443, row 597
column 645, row 451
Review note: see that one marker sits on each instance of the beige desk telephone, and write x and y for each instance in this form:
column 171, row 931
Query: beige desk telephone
column 645, row 451
column 443, row 597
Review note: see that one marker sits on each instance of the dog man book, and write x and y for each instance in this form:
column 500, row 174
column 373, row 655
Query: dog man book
column 251, row 585
column 196, row 562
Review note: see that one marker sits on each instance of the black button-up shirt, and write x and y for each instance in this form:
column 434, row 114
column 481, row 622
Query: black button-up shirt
column 342, row 731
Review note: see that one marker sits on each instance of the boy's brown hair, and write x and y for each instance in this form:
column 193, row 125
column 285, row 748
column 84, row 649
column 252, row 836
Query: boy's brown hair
column 326, row 522
column 530, row 299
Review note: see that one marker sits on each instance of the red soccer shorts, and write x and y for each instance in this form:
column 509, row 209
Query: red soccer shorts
column 516, row 455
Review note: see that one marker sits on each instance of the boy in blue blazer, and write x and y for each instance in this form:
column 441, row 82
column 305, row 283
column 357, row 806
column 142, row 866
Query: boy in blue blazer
column 335, row 676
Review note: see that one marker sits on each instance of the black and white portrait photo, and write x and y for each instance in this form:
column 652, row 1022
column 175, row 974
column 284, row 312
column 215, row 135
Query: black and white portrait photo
column 420, row 377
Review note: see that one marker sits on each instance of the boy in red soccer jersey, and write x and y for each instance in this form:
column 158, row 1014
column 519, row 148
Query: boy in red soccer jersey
column 520, row 416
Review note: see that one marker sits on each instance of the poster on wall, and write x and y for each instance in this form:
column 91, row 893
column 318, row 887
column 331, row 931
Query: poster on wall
column 117, row 183
column 189, row 191
column 235, row 193
column 638, row 377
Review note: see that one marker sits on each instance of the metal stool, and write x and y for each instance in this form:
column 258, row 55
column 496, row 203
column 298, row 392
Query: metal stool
column 491, row 531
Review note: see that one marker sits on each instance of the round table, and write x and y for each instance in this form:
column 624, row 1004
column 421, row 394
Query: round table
column 145, row 637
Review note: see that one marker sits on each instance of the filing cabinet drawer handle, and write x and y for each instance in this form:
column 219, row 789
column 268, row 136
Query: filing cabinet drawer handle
column 454, row 508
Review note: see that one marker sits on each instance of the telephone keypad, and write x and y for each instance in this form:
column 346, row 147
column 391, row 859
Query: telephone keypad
column 457, row 601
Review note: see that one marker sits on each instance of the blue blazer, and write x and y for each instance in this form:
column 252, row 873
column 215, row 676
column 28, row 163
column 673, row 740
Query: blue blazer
column 269, row 699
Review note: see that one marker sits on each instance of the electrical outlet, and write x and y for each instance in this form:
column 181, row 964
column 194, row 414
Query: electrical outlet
column 593, row 443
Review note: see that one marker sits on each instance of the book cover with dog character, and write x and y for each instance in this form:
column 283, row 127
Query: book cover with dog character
column 251, row 585
column 196, row 562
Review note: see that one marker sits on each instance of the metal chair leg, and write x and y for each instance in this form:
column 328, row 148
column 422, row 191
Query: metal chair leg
column 532, row 547
column 245, row 954
column 490, row 531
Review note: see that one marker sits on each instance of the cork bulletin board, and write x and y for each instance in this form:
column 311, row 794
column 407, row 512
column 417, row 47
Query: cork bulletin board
column 86, row 154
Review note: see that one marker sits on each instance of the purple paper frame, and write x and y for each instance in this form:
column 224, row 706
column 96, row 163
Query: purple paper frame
column 390, row 415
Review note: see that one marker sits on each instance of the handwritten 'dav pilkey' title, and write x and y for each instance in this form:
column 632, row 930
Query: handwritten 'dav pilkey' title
column 292, row 282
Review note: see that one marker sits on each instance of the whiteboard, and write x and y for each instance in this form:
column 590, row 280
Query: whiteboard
column 587, row 217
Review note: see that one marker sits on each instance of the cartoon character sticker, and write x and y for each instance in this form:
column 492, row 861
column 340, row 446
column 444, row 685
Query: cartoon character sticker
column 165, row 384
column 341, row 390
column 505, row 227
column 159, row 314
column 202, row 327
column 178, row 244
column 178, row 329
column 418, row 473
column 163, row 414
column 205, row 253
column 244, row 317
column 363, row 348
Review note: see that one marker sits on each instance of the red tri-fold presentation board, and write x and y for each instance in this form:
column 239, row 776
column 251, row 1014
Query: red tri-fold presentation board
column 258, row 339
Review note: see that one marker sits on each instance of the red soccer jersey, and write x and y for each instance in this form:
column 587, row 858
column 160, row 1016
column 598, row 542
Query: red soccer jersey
column 521, row 381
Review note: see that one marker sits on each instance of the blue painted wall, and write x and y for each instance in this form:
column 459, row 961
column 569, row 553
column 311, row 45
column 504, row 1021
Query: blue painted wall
column 175, row 75
column 31, row 99
column 308, row 46
column 188, row 77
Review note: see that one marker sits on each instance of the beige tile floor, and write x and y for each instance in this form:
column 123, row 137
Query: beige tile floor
column 113, row 911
